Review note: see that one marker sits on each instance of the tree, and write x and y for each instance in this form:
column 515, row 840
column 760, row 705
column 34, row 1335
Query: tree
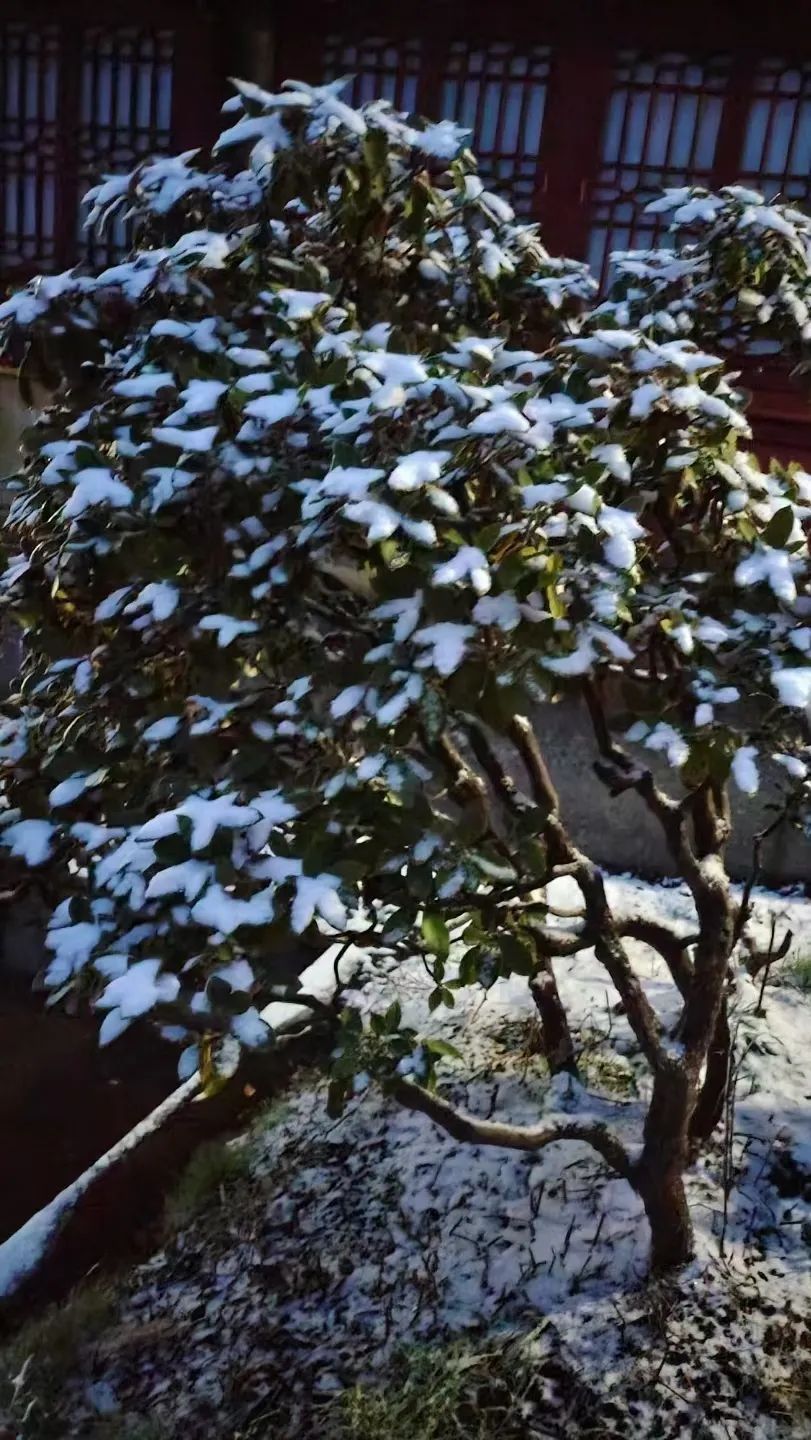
column 342, row 475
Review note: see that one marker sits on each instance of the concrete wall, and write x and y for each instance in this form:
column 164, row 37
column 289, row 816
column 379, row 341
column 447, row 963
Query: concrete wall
column 621, row 834
column 14, row 416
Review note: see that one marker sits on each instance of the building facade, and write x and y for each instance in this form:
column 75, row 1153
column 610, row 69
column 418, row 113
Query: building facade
column 580, row 111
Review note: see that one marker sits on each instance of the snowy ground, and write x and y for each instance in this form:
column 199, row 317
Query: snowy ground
column 358, row 1236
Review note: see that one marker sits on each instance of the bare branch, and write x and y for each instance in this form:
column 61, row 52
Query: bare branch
column 758, row 841
column 558, row 942
column 672, row 948
column 600, row 926
column 467, row 1128
column 502, row 782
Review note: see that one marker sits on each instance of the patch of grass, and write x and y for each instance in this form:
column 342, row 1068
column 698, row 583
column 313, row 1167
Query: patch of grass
column 213, row 1169
column 131, row 1427
column 518, row 1045
column 609, row 1073
column 798, row 972
column 454, row 1393
column 42, row 1357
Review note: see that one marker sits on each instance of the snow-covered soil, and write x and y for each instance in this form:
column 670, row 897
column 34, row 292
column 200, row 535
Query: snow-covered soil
column 356, row 1237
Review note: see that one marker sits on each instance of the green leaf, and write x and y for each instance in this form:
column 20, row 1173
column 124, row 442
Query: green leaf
column 469, row 966
column 398, row 924
column 336, row 1098
column 516, row 955
column 556, row 603
column 432, row 711
column 393, row 1016
column 779, row 528
column 441, row 1047
column 435, row 934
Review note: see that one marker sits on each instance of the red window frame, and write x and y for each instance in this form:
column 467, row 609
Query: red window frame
column 52, row 144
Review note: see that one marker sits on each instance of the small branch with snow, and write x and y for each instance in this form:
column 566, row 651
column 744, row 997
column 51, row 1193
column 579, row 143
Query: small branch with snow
column 467, row 1128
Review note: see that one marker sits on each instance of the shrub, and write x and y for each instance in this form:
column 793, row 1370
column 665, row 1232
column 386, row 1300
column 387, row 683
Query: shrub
column 342, row 475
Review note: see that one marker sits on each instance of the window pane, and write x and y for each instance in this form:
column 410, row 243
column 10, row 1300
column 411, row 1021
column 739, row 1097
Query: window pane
column 29, row 145
column 499, row 93
column 379, row 69
column 661, row 130
column 776, row 146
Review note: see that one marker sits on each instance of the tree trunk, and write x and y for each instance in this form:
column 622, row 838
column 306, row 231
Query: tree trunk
column 558, row 1047
column 671, row 1231
column 660, row 1172
column 710, row 1106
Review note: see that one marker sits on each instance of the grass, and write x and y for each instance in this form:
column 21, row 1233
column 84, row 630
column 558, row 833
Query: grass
column 609, row 1073
column 799, row 972
column 213, row 1170
column 455, row 1393
column 37, row 1363
column 130, row 1427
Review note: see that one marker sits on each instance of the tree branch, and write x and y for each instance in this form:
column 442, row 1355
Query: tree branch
column 671, row 947
column 758, row 841
column 502, row 782
column 599, row 926
column 467, row 1128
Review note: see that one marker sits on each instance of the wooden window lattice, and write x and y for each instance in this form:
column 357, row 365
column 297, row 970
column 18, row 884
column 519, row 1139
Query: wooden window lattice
column 125, row 115
column 380, row 69
column 498, row 92
column 661, row 129
column 75, row 104
column 776, row 146
column 29, row 144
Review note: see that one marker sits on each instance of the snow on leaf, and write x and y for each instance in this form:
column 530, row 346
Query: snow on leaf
column 270, row 409
column 69, row 790
column 106, row 609
column 72, row 946
column 504, row 419
column 420, row 468
column 774, row 567
column 444, row 645
column 138, row 990
column 199, row 441
column 227, row 628
column 501, row 610
column 96, row 487
column 148, row 383
column 406, row 613
column 744, row 769
column 187, row 879
column 31, row 839
column 302, row 304
column 469, row 563
column 346, row 701
column 162, row 729
column 206, row 816
column 793, row 687
column 250, row 1029
column 224, row 913
column 317, row 895
column 615, row 460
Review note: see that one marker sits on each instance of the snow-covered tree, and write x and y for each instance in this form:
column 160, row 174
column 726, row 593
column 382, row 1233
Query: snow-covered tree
column 343, row 474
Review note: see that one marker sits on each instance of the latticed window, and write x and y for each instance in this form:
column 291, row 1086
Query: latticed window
column 77, row 102
column 499, row 93
column 661, row 129
column 30, row 139
column 776, row 148
column 380, row 69
column 125, row 112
